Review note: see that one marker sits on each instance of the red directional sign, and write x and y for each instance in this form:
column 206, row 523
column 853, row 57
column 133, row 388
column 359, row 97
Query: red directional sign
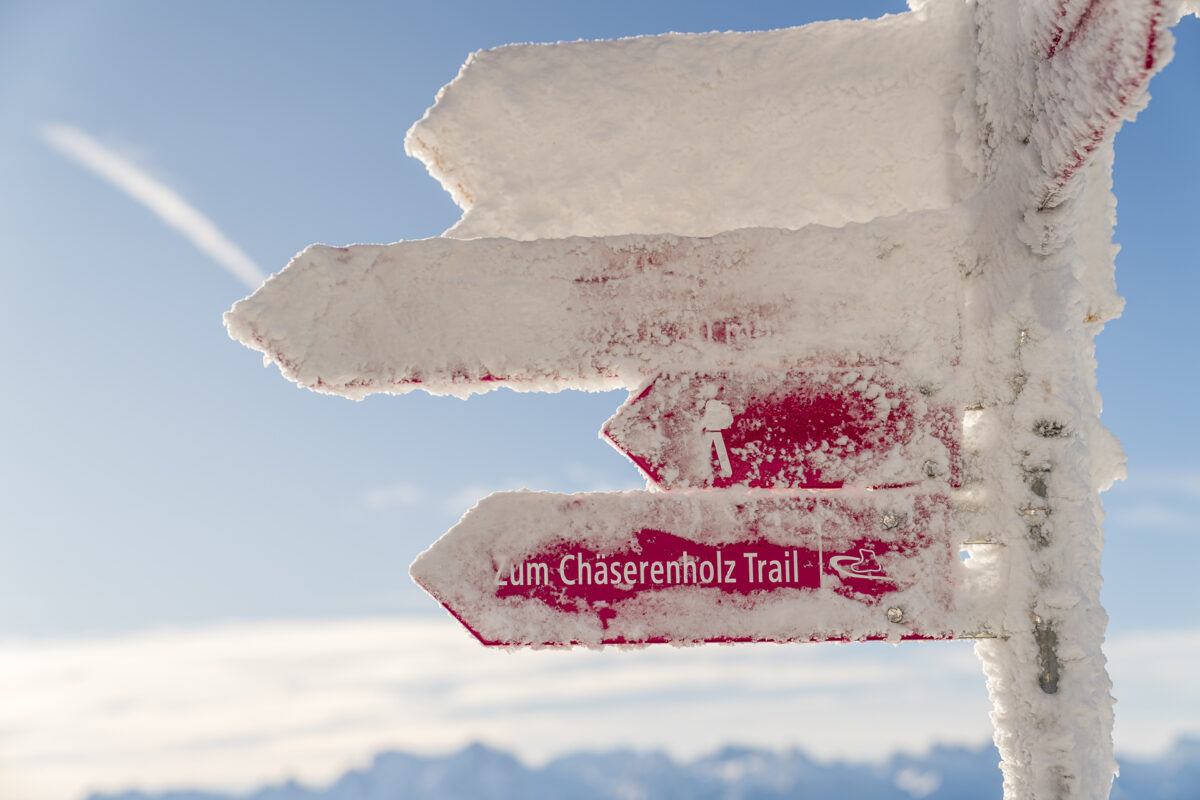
column 823, row 427
column 534, row 568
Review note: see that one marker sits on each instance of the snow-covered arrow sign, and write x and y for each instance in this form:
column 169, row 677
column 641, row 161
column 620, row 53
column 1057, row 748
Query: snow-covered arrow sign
column 534, row 568
column 821, row 427
column 457, row 317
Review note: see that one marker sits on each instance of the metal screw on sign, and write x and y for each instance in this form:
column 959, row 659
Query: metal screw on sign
column 1048, row 429
column 895, row 614
column 892, row 520
column 1037, row 533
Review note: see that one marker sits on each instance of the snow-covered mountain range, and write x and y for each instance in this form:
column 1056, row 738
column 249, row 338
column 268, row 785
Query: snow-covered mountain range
column 481, row 773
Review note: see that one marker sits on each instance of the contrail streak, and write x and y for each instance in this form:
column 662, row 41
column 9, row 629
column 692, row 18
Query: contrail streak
column 164, row 201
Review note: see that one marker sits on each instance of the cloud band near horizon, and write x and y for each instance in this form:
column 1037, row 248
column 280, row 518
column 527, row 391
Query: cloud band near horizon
column 238, row 705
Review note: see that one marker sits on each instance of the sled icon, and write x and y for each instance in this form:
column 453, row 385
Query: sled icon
column 864, row 565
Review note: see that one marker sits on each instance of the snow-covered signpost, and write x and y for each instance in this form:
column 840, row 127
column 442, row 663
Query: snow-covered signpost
column 862, row 345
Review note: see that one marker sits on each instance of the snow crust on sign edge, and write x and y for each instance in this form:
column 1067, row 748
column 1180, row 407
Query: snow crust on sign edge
column 1178, row 9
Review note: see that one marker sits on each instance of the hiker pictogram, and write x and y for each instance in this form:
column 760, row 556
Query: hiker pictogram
column 718, row 417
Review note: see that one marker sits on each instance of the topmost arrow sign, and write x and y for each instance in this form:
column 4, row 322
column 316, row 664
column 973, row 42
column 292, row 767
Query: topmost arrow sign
column 696, row 134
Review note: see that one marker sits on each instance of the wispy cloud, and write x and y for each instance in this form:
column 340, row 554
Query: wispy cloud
column 238, row 705
column 1157, row 501
column 463, row 500
column 575, row 478
column 1184, row 482
column 161, row 199
column 234, row 706
column 396, row 495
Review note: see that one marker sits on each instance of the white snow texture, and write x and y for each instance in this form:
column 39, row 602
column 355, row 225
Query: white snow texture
column 929, row 191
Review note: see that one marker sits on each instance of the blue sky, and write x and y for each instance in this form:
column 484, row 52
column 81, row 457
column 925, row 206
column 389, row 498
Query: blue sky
column 153, row 475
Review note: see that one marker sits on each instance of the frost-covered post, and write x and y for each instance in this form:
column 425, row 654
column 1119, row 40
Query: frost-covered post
column 850, row 274
column 1053, row 83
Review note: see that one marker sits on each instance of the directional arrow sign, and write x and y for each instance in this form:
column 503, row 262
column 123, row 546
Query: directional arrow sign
column 457, row 317
column 534, row 568
column 822, row 427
